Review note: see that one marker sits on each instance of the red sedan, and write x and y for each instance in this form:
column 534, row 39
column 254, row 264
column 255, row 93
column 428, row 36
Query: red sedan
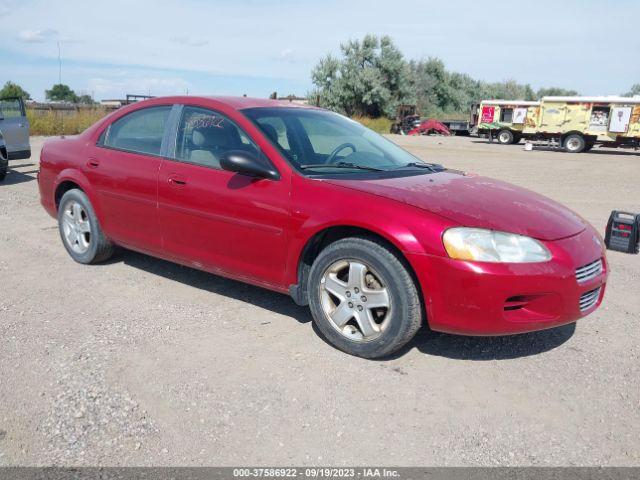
column 308, row 202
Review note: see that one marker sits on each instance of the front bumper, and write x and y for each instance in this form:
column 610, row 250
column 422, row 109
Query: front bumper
column 480, row 298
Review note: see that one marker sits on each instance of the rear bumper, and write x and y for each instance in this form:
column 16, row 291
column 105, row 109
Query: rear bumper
column 477, row 298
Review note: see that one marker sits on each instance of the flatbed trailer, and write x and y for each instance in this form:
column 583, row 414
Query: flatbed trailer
column 458, row 127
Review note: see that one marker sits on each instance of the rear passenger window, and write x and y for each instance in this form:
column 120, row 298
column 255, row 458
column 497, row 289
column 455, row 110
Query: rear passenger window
column 140, row 131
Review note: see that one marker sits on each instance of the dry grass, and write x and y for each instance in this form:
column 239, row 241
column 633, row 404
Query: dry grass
column 71, row 122
column 63, row 122
column 380, row 125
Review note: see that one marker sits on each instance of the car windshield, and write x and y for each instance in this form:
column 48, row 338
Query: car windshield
column 318, row 141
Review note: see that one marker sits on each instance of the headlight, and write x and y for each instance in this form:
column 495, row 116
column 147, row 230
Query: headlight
column 482, row 245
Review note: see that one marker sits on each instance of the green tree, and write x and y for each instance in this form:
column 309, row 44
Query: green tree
column 506, row 90
column 432, row 87
column 11, row 89
column 86, row 100
column 635, row 90
column 61, row 93
column 555, row 92
column 370, row 78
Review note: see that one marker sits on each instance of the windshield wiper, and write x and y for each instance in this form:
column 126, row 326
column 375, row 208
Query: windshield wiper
column 434, row 167
column 341, row 165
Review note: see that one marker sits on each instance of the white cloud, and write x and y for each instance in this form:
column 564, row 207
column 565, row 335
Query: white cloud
column 190, row 41
column 38, row 36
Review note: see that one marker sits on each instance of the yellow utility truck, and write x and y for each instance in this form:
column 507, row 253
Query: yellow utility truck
column 505, row 120
column 573, row 123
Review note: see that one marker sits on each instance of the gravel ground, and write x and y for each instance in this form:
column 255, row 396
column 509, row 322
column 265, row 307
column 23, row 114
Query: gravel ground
column 143, row 362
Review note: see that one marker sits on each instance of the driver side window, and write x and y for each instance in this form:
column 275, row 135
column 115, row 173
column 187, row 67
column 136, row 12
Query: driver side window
column 204, row 136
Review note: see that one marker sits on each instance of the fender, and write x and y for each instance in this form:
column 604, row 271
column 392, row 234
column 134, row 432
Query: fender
column 408, row 241
column 318, row 205
column 75, row 176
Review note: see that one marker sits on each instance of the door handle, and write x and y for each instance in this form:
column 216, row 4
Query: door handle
column 93, row 163
column 177, row 181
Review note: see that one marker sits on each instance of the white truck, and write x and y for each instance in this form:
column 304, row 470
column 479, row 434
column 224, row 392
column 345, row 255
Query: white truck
column 15, row 128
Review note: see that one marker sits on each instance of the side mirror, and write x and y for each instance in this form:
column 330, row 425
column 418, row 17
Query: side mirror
column 247, row 163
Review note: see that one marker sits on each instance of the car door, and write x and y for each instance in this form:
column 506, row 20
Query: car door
column 218, row 220
column 123, row 169
column 14, row 126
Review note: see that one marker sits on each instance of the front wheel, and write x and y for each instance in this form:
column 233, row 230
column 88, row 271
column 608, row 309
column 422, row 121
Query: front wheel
column 505, row 137
column 363, row 299
column 80, row 231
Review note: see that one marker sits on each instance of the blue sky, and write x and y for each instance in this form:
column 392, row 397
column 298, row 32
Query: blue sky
column 110, row 48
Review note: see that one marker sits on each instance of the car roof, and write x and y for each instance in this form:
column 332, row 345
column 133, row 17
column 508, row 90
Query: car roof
column 237, row 103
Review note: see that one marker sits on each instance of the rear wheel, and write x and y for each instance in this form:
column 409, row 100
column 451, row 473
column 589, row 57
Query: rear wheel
column 505, row 137
column 574, row 143
column 363, row 299
column 80, row 231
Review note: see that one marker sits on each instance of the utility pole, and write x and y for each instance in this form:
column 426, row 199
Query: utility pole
column 59, row 65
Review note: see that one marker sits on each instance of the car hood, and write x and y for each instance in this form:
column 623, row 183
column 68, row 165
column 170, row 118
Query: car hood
column 477, row 201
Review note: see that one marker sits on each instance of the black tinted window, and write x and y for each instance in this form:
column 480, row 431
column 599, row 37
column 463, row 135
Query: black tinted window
column 204, row 136
column 140, row 131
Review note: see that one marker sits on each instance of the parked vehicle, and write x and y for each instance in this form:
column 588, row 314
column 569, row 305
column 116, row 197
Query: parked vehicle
column 505, row 120
column 576, row 124
column 579, row 123
column 301, row 200
column 15, row 128
column 407, row 118
column 4, row 160
column 458, row 127
column 408, row 122
column 429, row 127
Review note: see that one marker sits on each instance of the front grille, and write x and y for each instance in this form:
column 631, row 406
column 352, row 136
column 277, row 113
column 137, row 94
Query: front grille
column 589, row 271
column 589, row 299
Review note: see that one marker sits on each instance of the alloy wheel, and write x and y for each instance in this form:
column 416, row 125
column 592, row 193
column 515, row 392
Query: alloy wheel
column 355, row 300
column 76, row 227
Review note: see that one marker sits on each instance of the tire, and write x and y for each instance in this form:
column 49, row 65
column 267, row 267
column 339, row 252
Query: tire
column 385, row 277
column 505, row 137
column 574, row 143
column 516, row 140
column 83, row 246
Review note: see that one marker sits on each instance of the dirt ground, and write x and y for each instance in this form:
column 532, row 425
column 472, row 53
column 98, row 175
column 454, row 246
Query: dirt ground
column 142, row 362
